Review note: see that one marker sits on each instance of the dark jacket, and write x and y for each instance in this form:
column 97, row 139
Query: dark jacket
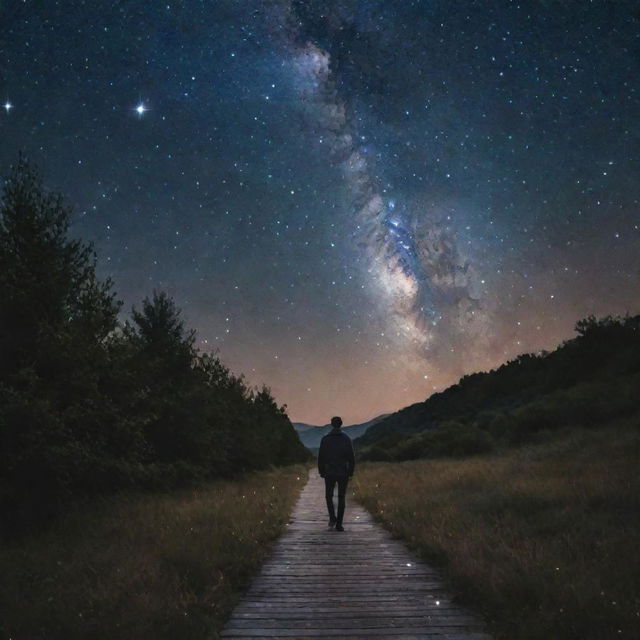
column 335, row 458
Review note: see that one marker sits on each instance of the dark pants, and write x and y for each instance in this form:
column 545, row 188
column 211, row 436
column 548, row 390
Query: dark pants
column 330, row 484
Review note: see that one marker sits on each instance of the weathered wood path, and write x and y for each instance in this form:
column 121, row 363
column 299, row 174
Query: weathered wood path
column 358, row 584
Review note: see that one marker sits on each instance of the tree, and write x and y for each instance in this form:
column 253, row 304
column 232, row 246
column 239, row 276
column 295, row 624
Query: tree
column 55, row 317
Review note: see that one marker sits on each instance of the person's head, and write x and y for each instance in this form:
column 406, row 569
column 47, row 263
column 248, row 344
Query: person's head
column 336, row 422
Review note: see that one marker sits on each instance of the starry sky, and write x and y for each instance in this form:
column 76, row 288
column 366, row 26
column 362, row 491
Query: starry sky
column 354, row 201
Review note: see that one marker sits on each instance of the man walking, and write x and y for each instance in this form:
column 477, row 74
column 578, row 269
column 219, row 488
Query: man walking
column 336, row 463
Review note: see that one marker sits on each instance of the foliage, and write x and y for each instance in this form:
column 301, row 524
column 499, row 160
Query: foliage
column 88, row 403
column 588, row 381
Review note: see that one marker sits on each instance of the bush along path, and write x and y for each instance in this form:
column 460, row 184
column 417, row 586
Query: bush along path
column 360, row 583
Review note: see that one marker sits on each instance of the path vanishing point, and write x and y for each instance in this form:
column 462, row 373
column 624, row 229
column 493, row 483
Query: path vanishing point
column 358, row 584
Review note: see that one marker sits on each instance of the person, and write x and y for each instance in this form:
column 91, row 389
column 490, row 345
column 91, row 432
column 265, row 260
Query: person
column 336, row 464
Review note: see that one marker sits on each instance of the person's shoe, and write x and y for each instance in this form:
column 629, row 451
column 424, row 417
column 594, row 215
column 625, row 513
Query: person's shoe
column 332, row 524
column 339, row 527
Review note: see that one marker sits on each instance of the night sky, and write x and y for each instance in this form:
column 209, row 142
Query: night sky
column 355, row 201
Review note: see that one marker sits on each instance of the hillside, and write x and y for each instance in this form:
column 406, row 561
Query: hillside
column 587, row 381
column 310, row 435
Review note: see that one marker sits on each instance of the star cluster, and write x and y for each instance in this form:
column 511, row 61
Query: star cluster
column 354, row 201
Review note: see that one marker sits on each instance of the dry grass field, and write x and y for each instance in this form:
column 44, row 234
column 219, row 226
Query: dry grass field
column 542, row 540
column 145, row 566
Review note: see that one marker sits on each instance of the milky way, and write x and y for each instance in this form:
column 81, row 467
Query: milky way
column 413, row 258
column 355, row 202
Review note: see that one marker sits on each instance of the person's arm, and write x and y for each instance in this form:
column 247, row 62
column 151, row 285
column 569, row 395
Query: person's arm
column 321, row 459
column 352, row 459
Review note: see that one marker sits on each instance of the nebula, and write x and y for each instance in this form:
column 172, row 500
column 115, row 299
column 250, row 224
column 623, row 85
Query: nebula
column 416, row 267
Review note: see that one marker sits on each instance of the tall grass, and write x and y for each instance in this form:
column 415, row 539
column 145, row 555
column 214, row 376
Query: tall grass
column 145, row 566
column 543, row 540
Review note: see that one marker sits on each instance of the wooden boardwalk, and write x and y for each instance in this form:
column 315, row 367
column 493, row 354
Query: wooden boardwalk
column 358, row 584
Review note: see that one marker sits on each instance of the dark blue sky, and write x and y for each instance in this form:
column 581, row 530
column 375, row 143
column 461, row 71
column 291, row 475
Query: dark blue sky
column 355, row 201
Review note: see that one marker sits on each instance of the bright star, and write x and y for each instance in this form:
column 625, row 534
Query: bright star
column 141, row 109
column 8, row 106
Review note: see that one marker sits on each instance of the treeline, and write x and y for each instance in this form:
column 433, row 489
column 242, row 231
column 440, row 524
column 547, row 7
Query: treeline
column 588, row 381
column 89, row 403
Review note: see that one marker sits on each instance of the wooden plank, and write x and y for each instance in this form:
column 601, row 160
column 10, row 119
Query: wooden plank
column 399, row 635
column 362, row 576
column 257, row 612
column 364, row 560
column 328, row 585
column 437, row 596
column 328, row 588
column 351, row 600
column 346, row 601
column 425, row 633
column 394, row 634
column 352, row 622
column 327, row 579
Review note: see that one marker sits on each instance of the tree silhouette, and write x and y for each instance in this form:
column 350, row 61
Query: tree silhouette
column 54, row 319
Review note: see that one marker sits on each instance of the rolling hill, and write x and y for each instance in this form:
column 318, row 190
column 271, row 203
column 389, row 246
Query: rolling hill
column 587, row 381
column 310, row 435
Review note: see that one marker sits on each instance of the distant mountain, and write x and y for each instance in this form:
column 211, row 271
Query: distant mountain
column 310, row 434
column 588, row 381
column 303, row 426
